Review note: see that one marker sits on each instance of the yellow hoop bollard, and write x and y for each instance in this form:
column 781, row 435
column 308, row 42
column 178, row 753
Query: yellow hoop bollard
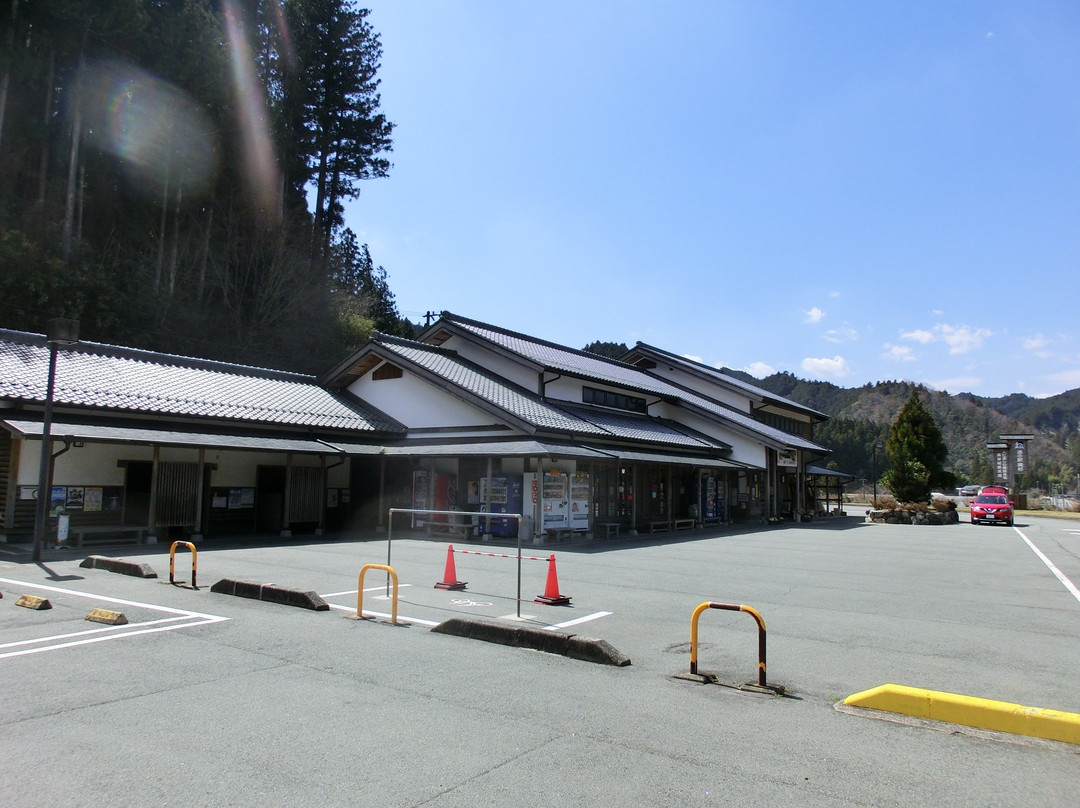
column 172, row 562
column 360, row 590
column 733, row 608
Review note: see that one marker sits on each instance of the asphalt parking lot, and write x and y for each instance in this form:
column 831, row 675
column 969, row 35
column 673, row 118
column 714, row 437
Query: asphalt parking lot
column 208, row 699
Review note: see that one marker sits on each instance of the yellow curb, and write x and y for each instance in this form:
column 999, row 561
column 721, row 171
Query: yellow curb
column 1000, row 716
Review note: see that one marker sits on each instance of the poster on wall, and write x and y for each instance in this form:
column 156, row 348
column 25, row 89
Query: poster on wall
column 57, row 500
column 74, row 501
column 331, row 497
column 92, row 499
column 220, row 499
column 241, row 497
column 787, row 457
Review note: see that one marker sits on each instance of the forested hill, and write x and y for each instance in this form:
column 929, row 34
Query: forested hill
column 861, row 415
column 173, row 175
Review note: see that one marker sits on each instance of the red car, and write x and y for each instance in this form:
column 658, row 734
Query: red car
column 992, row 505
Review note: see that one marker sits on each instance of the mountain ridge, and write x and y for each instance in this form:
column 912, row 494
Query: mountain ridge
column 861, row 415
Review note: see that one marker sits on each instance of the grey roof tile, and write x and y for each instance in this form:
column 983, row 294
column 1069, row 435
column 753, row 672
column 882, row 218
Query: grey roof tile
column 613, row 372
column 554, row 415
column 93, row 375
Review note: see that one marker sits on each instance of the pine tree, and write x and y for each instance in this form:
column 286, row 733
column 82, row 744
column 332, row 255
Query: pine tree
column 917, row 454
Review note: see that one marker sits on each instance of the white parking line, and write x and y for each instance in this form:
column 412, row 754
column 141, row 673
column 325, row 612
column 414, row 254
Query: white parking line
column 578, row 621
column 55, row 642
column 369, row 613
column 366, row 589
column 1057, row 573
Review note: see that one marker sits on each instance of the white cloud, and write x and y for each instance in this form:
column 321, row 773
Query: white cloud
column 898, row 353
column 693, row 358
column 960, row 338
column 834, row 293
column 1066, row 379
column 815, row 315
column 1034, row 343
column 843, row 334
column 760, row 369
column 957, row 384
column 917, row 336
column 836, row 368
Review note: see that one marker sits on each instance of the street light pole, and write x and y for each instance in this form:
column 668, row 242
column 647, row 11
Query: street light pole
column 877, row 445
column 60, row 331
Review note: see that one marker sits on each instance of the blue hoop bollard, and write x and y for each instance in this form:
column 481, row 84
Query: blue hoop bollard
column 732, row 607
column 360, row 590
column 172, row 562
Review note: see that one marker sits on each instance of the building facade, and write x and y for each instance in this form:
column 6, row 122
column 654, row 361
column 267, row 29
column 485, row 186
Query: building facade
column 468, row 418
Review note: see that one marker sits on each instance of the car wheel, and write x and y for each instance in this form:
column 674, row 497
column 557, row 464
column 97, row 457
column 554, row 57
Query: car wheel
column 1009, row 523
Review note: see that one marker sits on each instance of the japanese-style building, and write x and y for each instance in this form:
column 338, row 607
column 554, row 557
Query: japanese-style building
column 468, row 417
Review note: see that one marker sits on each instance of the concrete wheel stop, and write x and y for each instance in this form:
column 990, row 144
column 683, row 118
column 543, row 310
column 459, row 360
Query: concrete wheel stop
column 574, row 646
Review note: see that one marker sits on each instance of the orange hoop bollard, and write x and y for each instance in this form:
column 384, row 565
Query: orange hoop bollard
column 172, row 562
column 360, row 590
column 734, row 608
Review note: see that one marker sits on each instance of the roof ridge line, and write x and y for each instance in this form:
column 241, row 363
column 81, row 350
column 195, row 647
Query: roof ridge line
column 528, row 338
column 154, row 357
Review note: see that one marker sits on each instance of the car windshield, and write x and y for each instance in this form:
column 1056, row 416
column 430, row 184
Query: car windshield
column 989, row 500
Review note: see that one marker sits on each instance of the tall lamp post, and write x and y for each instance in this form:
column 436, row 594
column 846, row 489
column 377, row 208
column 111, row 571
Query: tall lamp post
column 877, row 445
column 60, row 331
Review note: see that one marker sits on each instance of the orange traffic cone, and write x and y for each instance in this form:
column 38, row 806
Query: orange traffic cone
column 450, row 580
column 551, row 594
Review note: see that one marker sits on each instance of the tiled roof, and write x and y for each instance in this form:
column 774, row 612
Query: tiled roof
column 641, row 427
column 487, row 386
column 120, row 379
column 560, row 416
column 623, row 375
column 723, row 377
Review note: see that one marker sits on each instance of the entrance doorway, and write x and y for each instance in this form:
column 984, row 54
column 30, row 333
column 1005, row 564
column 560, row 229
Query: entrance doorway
column 269, row 499
column 138, row 480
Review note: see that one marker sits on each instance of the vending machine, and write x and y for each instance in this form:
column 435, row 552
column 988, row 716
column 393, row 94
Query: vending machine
column 503, row 495
column 712, row 501
column 579, row 501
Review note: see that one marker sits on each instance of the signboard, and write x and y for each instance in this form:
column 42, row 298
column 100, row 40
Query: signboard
column 1019, row 451
column 1001, row 465
column 787, row 457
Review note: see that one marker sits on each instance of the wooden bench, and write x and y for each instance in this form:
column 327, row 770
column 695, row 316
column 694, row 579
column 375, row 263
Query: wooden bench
column 609, row 528
column 454, row 526
column 659, row 524
column 684, row 524
column 711, row 522
column 558, row 534
column 108, row 533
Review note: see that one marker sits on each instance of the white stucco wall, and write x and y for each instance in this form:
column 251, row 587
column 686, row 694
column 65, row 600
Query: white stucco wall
column 93, row 464
column 501, row 365
column 417, row 403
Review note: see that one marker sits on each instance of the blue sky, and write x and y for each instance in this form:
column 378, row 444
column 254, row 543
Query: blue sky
column 851, row 192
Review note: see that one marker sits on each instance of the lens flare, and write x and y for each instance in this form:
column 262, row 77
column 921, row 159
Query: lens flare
column 260, row 169
column 159, row 135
